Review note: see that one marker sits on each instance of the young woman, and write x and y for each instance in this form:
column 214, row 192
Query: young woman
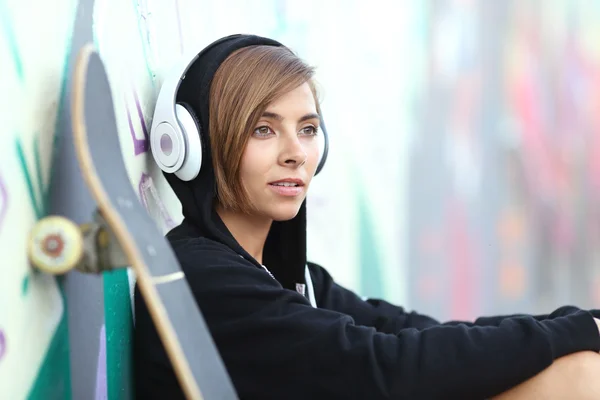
column 284, row 328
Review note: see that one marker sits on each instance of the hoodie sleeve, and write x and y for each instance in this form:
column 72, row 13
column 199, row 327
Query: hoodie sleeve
column 389, row 318
column 276, row 345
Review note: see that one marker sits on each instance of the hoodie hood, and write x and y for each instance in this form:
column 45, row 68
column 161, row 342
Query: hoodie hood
column 285, row 248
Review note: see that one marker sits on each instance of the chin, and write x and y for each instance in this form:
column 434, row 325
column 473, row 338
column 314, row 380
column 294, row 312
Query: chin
column 284, row 212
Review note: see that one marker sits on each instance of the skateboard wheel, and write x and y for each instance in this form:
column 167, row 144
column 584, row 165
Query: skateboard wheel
column 55, row 245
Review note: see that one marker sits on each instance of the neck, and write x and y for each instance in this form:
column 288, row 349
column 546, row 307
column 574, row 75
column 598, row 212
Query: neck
column 249, row 231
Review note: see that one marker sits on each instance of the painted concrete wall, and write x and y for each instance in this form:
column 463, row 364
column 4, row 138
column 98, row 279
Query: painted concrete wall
column 33, row 327
column 441, row 192
column 69, row 337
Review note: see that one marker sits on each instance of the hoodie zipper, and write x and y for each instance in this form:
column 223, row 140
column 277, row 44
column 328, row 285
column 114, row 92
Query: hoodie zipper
column 269, row 272
column 300, row 288
column 265, row 268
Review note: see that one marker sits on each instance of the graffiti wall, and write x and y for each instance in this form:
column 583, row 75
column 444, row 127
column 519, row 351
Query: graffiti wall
column 503, row 188
column 463, row 175
column 34, row 357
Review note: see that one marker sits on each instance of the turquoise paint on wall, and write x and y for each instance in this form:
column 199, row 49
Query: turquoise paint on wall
column 54, row 377
column 370, row 262
column 119, row 335
column 9, row 33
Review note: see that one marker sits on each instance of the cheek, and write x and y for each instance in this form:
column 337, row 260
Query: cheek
column 312, row 154
column 253, row 164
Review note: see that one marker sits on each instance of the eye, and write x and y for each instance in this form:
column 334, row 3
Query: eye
column 309, row 130
column 262, row 131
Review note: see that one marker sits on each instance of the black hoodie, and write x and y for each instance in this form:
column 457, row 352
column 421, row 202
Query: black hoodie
column 277, row 345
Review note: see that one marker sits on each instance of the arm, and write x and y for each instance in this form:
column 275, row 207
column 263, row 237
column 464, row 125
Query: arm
column 276, row 345
column 388, row 318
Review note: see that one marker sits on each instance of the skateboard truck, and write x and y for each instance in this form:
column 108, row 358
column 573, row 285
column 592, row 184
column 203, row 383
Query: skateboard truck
column 101, row 248
column 57, row 245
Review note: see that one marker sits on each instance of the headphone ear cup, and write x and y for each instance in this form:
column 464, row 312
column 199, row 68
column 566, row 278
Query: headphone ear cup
column 190, row 127
column 323, row 142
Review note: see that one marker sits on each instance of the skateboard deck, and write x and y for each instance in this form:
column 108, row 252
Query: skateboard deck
column 179, row 322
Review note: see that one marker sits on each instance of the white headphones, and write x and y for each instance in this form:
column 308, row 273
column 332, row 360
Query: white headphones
column 175, row 133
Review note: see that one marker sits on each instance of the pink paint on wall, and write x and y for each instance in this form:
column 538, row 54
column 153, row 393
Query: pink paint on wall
column 2, row 344
column 3, row 201
column 101, row 385
column 152, row 201
column 140, row 146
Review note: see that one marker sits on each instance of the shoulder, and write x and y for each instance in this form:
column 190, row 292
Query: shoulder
column 190, row 247
column 319, row 275
column 205, row 250
column 323, row 284
column 211, row 266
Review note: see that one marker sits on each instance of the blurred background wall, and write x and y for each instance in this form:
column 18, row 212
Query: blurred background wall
column 463, row 177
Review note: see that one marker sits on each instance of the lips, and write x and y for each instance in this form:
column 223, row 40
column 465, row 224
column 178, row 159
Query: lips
column 288, row 187
column 288, row 182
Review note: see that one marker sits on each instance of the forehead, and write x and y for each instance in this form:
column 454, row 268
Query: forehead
column 300, row 99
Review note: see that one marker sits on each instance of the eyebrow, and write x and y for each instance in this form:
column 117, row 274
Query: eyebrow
column 278, row 117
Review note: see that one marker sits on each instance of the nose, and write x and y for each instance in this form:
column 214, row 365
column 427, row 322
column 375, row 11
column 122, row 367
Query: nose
column 292, row 152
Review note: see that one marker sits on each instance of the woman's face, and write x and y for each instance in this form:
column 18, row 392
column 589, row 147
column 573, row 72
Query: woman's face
column 281, row 156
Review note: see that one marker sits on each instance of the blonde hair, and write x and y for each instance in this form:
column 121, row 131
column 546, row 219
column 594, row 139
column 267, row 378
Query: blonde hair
column 242, row 88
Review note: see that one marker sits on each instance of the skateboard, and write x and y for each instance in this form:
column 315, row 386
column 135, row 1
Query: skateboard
column 123, row 234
